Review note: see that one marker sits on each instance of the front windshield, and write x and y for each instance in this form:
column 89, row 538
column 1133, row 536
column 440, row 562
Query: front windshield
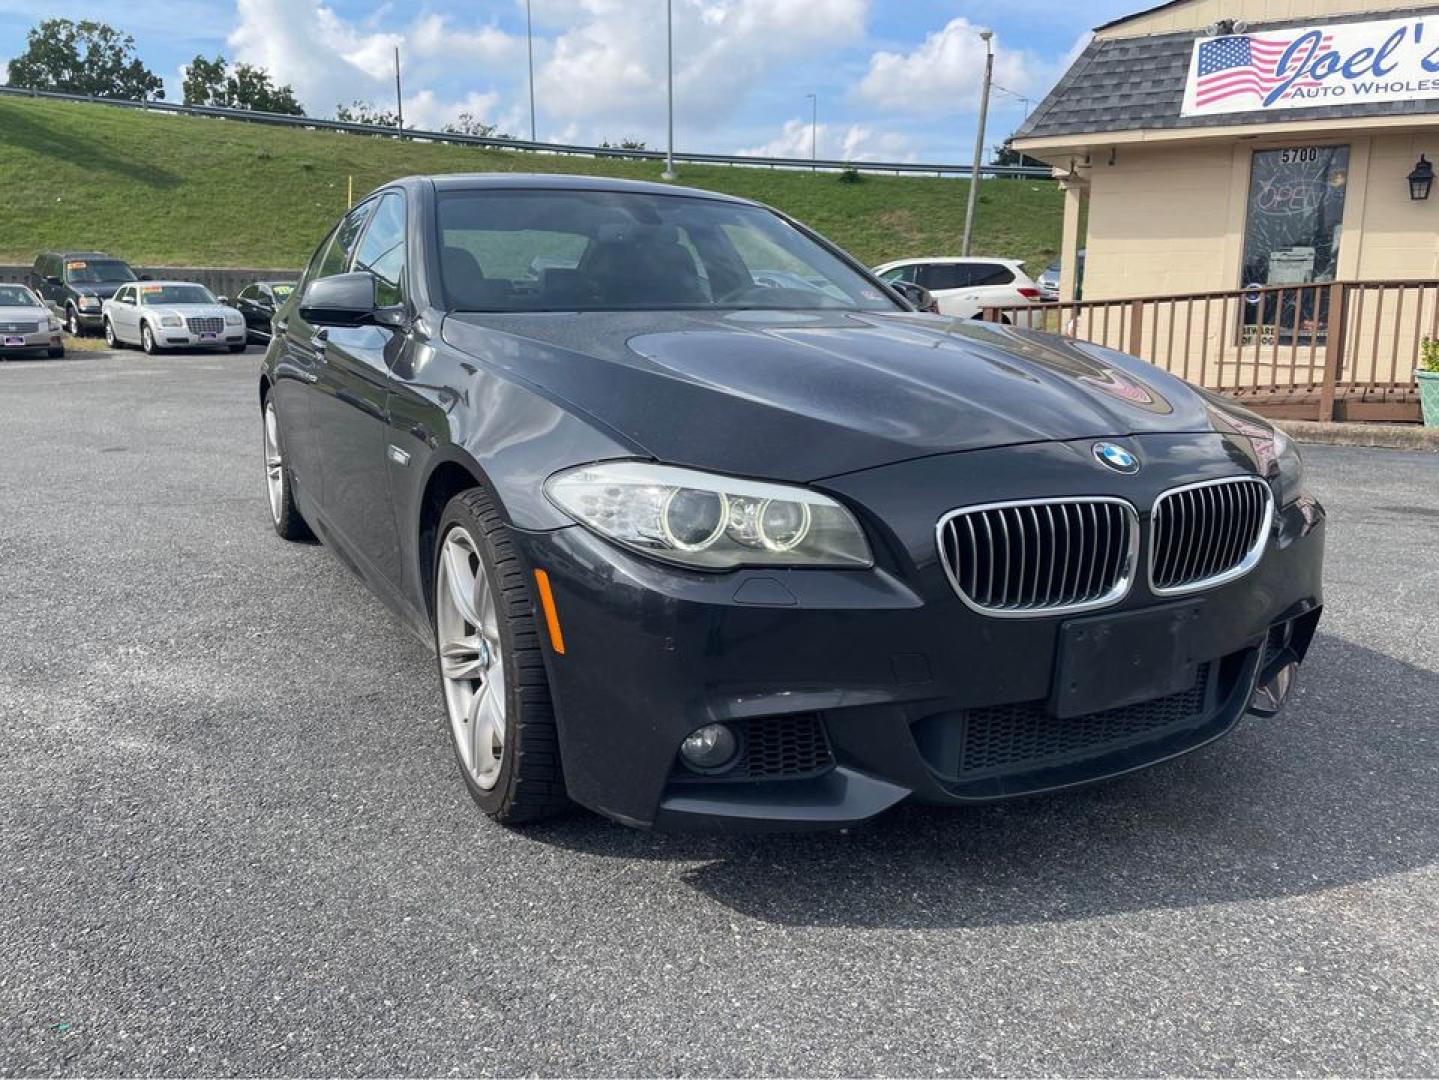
column 162, row 295
column 93, row 271
column 624, row 251
column 17, row 296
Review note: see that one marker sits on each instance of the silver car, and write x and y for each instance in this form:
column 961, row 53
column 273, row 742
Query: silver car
column 27, row 325
column 158, row 315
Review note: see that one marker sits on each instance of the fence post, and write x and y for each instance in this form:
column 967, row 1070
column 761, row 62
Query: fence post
column 1136, row 327
column 1333, row 347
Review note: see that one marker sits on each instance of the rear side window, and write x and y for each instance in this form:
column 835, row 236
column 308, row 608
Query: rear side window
column 990, row 274
column 382, row 252
column 945, row 276
column 899, row 273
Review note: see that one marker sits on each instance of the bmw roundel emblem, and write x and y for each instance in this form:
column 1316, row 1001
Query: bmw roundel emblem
column 1116, row 458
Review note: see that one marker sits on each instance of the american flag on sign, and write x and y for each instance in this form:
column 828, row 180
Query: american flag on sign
column 1229, row 66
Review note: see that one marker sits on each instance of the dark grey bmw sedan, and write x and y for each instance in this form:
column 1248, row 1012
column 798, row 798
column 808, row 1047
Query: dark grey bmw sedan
column 709, row 528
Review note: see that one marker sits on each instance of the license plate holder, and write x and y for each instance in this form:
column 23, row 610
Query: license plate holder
column 12, row 340
column 208, row 336
column 1109, row 661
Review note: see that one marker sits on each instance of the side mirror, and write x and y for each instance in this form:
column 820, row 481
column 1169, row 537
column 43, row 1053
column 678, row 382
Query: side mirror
column 51, row 279
column 223, row 299
column 917, row 295
column 342, row 300
column 145, row 277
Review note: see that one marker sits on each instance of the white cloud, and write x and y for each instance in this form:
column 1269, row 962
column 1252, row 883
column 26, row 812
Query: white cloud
column 608, row 63
column 852, row 142
column 330, row 60
column 944, row 73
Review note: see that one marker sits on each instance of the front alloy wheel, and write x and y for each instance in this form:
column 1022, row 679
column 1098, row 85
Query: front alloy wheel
column 147, row 339
column 472, row 662
column 72, row 323
column 110, row 338
column 492, row 672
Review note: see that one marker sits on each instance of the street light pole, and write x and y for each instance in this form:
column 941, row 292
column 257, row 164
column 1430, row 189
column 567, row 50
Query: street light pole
column 399, row 98
column 813, row 128
column 530, row 48
column 669, row 173
column 988, row 36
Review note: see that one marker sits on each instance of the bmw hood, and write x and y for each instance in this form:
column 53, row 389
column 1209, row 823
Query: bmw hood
column 804, row 395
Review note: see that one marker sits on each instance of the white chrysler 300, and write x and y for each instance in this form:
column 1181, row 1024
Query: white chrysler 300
column 160, row 315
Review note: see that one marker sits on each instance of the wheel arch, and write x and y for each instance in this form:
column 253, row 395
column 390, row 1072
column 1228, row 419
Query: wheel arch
column 449, row 477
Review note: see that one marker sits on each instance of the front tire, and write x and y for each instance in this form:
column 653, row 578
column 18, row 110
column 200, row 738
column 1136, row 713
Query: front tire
column 492, row 673
column 284, row 515
column 237, row 347
column 111, row 338
column 147, row 339
column 72, row 322
column 56, row 354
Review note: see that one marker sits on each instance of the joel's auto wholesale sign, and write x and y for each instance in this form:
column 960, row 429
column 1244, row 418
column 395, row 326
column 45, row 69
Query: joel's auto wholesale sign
column 1296, row 68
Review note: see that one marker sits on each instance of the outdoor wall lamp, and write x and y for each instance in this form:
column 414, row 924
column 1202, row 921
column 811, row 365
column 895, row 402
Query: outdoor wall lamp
column 1421, row 179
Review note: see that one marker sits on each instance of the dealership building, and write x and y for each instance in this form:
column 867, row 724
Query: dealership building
column 1266, row 150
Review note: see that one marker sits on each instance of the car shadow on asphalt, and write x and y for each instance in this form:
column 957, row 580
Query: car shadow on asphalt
column 1343, row 787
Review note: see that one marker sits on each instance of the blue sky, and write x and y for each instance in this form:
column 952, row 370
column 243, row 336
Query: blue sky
column 895, row 79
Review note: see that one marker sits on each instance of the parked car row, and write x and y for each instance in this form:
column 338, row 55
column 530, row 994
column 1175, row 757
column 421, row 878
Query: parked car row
column 90, row 291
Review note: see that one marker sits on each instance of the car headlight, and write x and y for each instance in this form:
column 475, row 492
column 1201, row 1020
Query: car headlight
column 89, row 302
column 52, row 323
column 1290, row 468
column 707, row 521
column 232, row 318
column 171, row 320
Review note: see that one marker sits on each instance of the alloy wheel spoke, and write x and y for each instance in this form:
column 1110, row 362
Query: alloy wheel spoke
column 487, row 733
column 461, row 580
column 465, row 658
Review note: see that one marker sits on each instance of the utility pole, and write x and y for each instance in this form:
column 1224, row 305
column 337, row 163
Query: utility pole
column 813, row 129
column 399, row 99
column 988, row 36
column 530, row 47
column 669, row 173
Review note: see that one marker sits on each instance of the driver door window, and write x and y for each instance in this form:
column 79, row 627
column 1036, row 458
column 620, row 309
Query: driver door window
column 382, row 252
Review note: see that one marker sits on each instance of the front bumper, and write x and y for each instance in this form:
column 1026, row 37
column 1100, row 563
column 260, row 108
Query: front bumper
column 231, row 335
column 28, row 343
column 90, row 319
column 890, row 664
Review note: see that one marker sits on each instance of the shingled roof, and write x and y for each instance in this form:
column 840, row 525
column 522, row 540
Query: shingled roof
column 1130, row 83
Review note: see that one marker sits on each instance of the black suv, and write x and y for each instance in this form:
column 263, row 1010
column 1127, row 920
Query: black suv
column 77, row 283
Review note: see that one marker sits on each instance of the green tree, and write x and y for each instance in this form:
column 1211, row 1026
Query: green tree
column 213, row 82
column 83, row 58
column 470, row 124
column 362, row 112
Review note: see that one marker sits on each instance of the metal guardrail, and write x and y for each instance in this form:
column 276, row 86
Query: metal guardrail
column 282, row 120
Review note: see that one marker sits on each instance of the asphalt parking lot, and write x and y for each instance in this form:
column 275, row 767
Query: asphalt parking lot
column 232, row 839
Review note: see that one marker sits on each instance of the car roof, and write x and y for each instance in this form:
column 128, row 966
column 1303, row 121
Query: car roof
column 165, row 282
column 947, row 259
column 82, row 255
column 557, row 182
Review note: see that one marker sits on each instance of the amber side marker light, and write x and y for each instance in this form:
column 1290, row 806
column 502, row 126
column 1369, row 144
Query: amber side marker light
column 552, row 618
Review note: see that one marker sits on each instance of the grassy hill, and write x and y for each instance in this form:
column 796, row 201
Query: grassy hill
column 181, row 190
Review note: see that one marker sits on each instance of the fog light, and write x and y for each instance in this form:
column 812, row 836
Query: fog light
column 710, row 749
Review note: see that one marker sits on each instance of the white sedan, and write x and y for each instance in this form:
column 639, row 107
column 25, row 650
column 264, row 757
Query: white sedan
column 158, row 315
column 964, row 286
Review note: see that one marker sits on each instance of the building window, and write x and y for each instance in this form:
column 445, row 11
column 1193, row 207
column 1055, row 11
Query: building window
column 1291, row 237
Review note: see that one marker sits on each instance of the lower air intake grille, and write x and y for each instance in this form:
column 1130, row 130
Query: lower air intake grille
column 1018, row 738
column 774, row 748
column 1208, row 533
column 1040, row 556
column 206, row 325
